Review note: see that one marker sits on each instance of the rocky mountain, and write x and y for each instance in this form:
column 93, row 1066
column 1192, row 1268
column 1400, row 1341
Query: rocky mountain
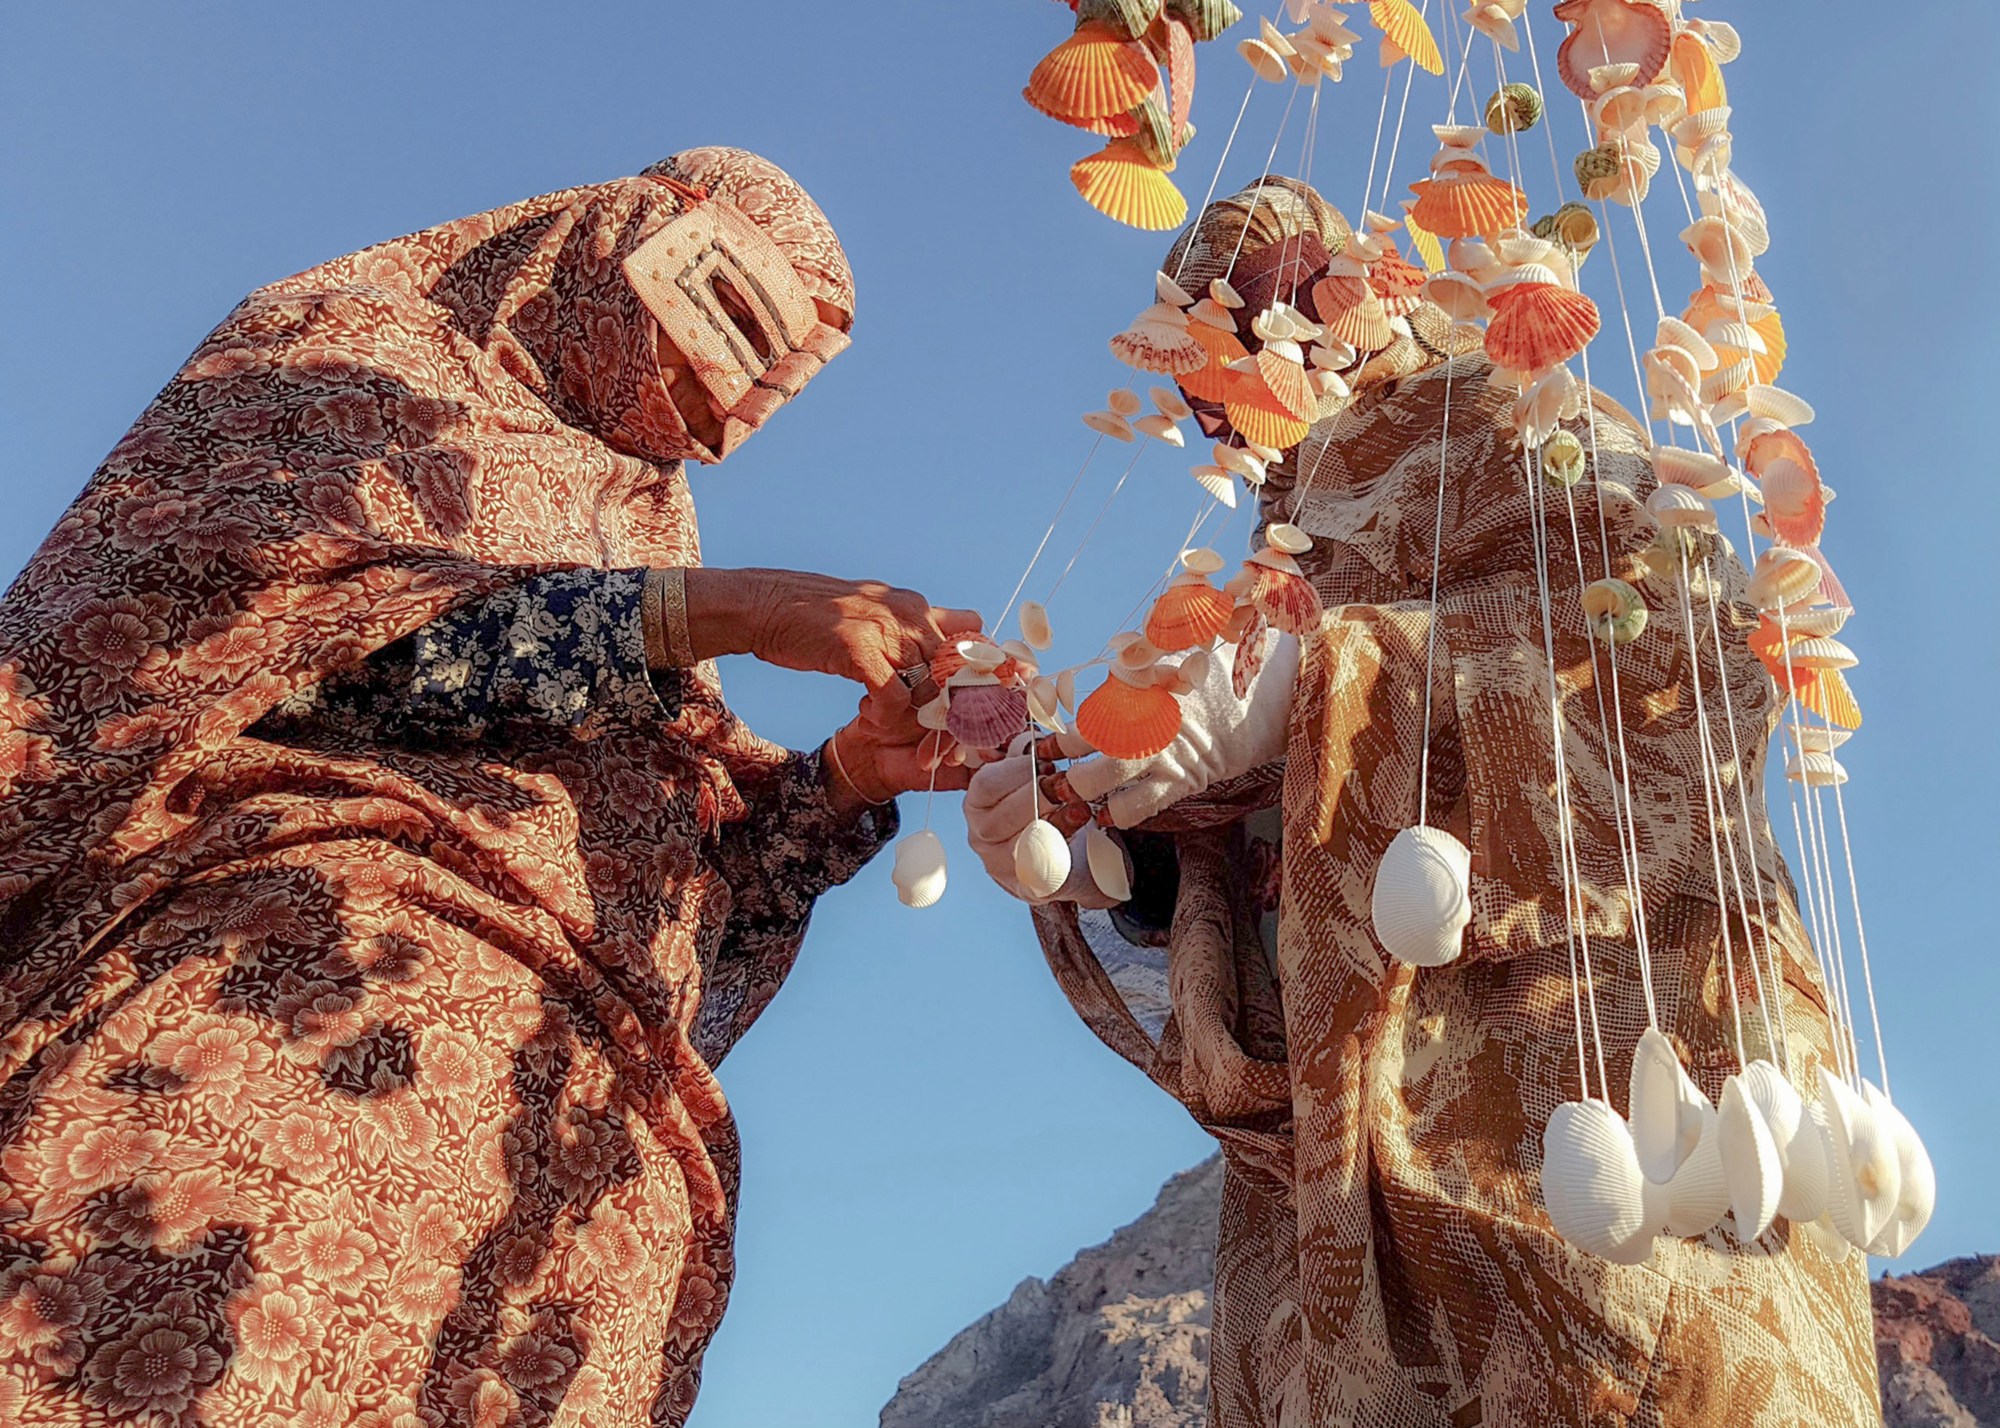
column 1118, row 1338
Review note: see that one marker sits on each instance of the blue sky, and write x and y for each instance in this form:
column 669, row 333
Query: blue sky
column 925, row 1121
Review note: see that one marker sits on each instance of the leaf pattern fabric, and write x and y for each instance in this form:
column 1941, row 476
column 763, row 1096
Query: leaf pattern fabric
column 364, row 1075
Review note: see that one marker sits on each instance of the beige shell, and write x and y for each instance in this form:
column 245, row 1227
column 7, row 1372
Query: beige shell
column 1696, row 469
column 1266, row 63
column 1035, row 625
column 1106, row 861
column 1783, row 577
column 1673, row 332
column 1169, row 403
column 1201, row 560
column 1822, row 652
column 1422, row 897
column 1288, row 538
column 1219, row 484
column 1171, row 292
column 1223, row 293
column 1241, row 462
column 1041, row 860
column 1212, row 314
column 1679, row 508
column 1750, row 1162
column 1124, row 402
column 1160, row 428
column 1776, row 404
column 1816, row 770
column 1108, row 423
column 919, row 872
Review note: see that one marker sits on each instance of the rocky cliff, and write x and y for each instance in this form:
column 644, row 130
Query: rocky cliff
column 1118, row 1338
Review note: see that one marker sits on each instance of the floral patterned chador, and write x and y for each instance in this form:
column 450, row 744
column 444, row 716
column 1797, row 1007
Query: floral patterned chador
column 373, row 925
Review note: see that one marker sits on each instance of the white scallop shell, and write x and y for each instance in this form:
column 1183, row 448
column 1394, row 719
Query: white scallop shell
column 1044, row 705
column 1124, row 402
column 1864, row 1171
column 1041, row 860
column 1169, row 403
column 1109, row 424
column 1827, row 1240
column 1698, row 1196
column 1106, row 861
column 1170, row 292
column 1672, row 330
column 1821, row 652
column 919, row 872
column 1194, row 668
column 1782, row 577
column 1461, row 297
column 1066, row 689
column 1819, row 741
column 1918, row 1197
column 1592, row 1185
column 1800, row 1130
column 933, row 715
column 1815, row 770
column 1242, row 463
column 1659, row 1101
column 1423, row 897
column 1269, row 455
column 1459, row 136
column 1750, row 1161
column 1218, row 483
column 1202, row 560
column 1209, row 311
column 1035, row 625
column 1265, row 61
column 1333, row 355
column 1722, row 38
column 1679, row 508
column 1693, row 469
column 1224, row 294
column 1160, row 428
column 1288, row 538
column 1777, row 404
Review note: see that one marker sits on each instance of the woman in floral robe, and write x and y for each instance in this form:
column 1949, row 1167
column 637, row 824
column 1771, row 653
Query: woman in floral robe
column 382, row 874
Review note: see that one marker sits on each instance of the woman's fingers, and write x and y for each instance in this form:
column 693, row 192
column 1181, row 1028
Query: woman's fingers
column 957, row 624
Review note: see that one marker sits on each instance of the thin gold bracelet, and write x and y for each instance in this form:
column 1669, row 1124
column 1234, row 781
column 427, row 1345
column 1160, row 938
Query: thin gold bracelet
column 664, row 613
column 840, row 769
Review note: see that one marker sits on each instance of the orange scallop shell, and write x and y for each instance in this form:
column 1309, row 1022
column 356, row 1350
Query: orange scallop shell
column 1214, row 382
column 1278, row 430
column 1282, row 384
column 1189, row 615
column 1120, row 183
column 1694, row 66
column 1408, row 32
column 1612, row 32
column 1824, row 691
column 1352, row 311
column 1093, row 74
column 1794, row 497
column 1468, row 205
column 1178, row 48
column 1398, row 282
column 1287, row 600
column 1771, row 361
column 945, row 663
column 1537, row 325
column 1127, row 722
column 1153, row 347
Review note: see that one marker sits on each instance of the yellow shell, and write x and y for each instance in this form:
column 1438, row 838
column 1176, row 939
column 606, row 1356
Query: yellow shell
column 1124, row 186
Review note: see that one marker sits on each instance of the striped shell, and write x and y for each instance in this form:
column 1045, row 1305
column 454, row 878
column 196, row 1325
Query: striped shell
column 1514, row 109
column 1592, row 1185
column 1159, row 340
column 1612, row 32
column 1468, row 205
column 1122, row 184
column 1537, row 325
column 1272, row 583
column 1093, row 74
column 1422, row 898
column 1405, row 28
column 1189, row 614
column 1128, row 721
column 1213, row 381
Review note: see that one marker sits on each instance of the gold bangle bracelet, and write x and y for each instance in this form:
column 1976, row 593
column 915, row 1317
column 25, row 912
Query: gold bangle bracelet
column 664, row 612
column 840, row 770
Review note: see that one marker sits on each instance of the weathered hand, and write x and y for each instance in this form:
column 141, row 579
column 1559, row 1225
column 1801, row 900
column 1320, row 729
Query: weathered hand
column 884, row 751
column 1002, row 801
column 860, row 630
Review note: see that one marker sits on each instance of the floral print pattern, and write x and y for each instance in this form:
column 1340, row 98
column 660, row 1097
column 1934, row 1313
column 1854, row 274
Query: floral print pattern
column 358, row 1074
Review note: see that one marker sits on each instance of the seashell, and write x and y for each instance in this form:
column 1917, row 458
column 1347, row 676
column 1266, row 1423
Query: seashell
column 1275, row 39
column 1120, row 182
column 1461, row 298
column 1398, row 282
column 1405, row 32
column 1422, row 899
column 1269, row 455
column 1606, row 77
column 1618, row 110
column 1093, row 74
column 1035, row 625
column 1468, row 205
column 1794, row 498
column 1465, row 137
column 1537, row 325
column 1698, row 1195
column 987, row 716
column 1515, row 109
column 1044, row 704
column 1351, row 312
column 1716, row 244
column 1517, row 249
column 1562, row 460
column 1272, row 583
column 1750, row 1162
column 1106, row 860
column 1205, row 19
column 1573, row 225
column 1189, row 614
column 1612, row 172
column 1130, row 17
column 1822, row 653
column 1277, row 378
column 1160, row 428
column 1864, row 1166
column 1218, row 483
column 1331, row 354
column 1669, row 371
column 934, row 714
column 1109, row 424
column 1124, row 402
column 1194, row 668
column 1239, row 461
column 1615, row 611
column 919, row 871
column 1776, row 404
column 1816, row 770
column 1675, row 333
column 1492, row 20
column 1211, row 313
column 1135, row 653
column 1256, row 422
column 1722, row 37
column 1288, row 538
column 1127, row 720
column 1224, row 294
column 1663, row 1112
column 1678, row 508
column 1592, row 1184
column 1820, row 741
column 1726, row 379
column 1265, row 62
column 1696, row 69
column 981, row 656
column 1917, row 1197
column 1666, row 106
column 1159, row 341
column 1166, row 290
column 1041, row 860
column 1800, row 1142
column 1552, row 398
column 1168, row 403
column 1213, row 381
column 1612, row 33
column 1696, row 130
column 1066, row 690
column 1201, row 561
column 1827, row 1240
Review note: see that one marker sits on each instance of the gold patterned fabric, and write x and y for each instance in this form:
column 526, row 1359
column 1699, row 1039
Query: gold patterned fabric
column 1385, row 1260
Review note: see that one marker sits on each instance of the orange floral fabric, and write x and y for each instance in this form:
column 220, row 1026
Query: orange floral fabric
column 373, row 1085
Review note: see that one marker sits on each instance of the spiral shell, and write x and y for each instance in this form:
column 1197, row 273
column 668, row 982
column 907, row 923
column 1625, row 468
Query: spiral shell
column 1562, row 460
column 1616, row 611
column 1514, row 109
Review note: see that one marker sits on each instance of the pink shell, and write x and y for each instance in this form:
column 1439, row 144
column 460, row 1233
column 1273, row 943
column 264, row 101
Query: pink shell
column 1612, row 32
column 987, row 716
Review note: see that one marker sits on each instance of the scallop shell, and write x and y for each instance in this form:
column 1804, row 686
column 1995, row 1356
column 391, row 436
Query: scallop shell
column 1865, row 1168
column 1562, row 460
column 1515, row 109
column 1240, row 461
column 1404, row 28
column 1612, row 32
column 1717, row 245
column 1124, row 402
column 1775, row 404
column 1201, row 560
column 1035, row 625
column 1166, row 290
column 1351, row 312
column 1918, row 1191
column 1423, row 898
column 1618, row 110
column 1041, row 860
column 1258, row 423
column 1044, row 703
column 1592, row 1184
column 1130, row 17
column 1678, row 508
column 1698, row 1196
column 1160, row 429
column 1066, row 689
column 1819, row 741
column 1615, row 611
column 1106, row 860
column 1665, row 1122
column 1468, row 205
column 1794, row 497
column 1462, row 299
column 1750, row 1162
column 1695, row 68
column 1816, row 770
column 1159, row 341
column 1219, row 484
column 1537, row 325
column 1213, row 381
column 919, row 872
column 1266, row 63
column 1109, row 424
column 1280, row 374
column 1126, row 721
column 1288, row 538
column 1272, row 583
column 1205, row 19
column 1801, row 1145
column 1821, row 653
column 987, row 716
column 1398, row 282
column 1783, row 577
column 1224, row 294
column 1675, row 333
column 1167, row 402
column 1209, row 313
column 1728, row 44
column 1190, row 613
column 1125, row 186
column 1094, row 74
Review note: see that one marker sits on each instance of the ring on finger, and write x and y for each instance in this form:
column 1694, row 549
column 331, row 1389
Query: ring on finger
column 914, row 677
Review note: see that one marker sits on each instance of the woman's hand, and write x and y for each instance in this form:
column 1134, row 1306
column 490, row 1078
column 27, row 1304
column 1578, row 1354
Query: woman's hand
column 860, row 630
column 885, row 751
